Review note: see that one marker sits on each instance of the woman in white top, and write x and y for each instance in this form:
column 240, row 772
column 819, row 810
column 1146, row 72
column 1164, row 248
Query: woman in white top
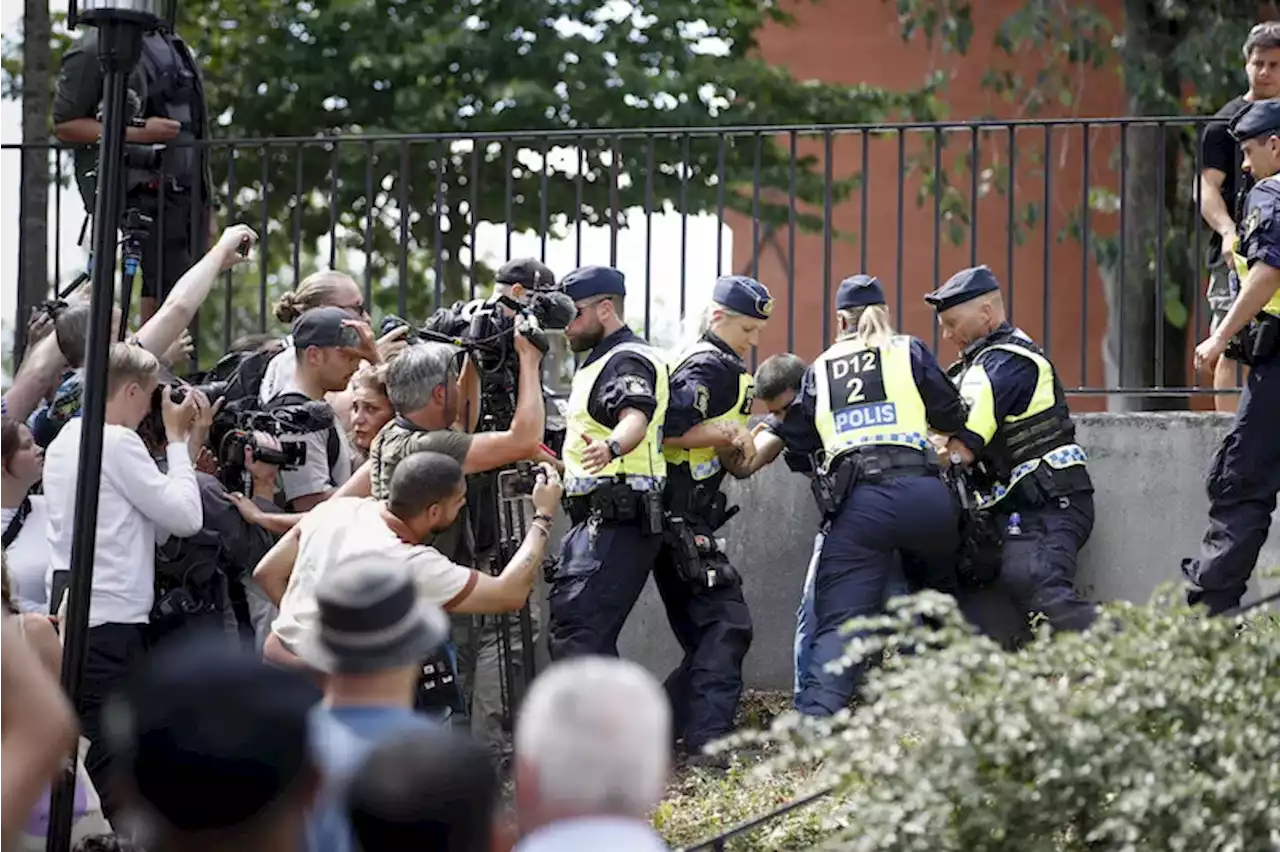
column 23, row 516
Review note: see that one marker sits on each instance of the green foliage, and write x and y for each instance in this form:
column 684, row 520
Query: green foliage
column 1156, row 730
column 471, row 74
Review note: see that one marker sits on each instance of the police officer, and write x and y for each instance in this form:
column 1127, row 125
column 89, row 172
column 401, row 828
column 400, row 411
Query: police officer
column 711, row 395
column 1029, row 469
column 868, row 403
column 1244, row 476
column 166, row 96
column 614, row 471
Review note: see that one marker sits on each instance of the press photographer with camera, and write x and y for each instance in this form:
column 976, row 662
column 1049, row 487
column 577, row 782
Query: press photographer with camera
column 329, row 346
column 426, row 495
column 169, row 183
column 138, row 507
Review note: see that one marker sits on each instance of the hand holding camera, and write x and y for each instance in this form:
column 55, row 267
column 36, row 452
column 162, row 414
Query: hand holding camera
column 234, row 245
column 547, row 490
column 178, row 417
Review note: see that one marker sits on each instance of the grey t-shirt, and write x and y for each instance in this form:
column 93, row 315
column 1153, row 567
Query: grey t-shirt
column 396, row 442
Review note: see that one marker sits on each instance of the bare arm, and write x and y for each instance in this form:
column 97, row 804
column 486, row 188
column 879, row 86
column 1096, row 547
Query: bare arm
column 490, row 450
column 274, row 570
column 510, row 590
column 36, row 377
column 1212, row 206
column 39, row 728
column 631, row 428
column 712, row 435
column 768, row 447
column 159, row 332
column 359, row 485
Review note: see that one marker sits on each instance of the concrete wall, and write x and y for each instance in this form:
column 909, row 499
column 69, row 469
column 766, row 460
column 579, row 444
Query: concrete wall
column 1148, row 471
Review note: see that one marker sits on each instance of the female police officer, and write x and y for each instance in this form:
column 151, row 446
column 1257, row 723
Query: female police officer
column 711, row 395
column 866, row 405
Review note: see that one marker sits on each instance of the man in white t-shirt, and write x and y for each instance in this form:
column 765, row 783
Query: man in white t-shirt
column 138, row 507
column 427, row 492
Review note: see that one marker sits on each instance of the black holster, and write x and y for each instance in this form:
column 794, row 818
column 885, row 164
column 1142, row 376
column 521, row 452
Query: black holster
column 618, row 503
column 697, row 558
column 1256, row 343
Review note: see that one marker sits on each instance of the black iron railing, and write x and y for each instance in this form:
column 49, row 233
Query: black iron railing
column 1090, row 224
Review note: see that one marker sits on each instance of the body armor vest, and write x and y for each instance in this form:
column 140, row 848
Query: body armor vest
column 1046, row 423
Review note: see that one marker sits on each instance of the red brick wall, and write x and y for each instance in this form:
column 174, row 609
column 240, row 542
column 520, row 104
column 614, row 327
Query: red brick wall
column 857, row 41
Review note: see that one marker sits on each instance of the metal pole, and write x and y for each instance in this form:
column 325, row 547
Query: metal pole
column 120, row 29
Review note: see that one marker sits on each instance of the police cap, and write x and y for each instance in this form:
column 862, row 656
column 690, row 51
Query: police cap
column 586, row 282
column 1259, row 118
column 527, row 271
column 858, row 291
column 964, row 286
column 743, row 294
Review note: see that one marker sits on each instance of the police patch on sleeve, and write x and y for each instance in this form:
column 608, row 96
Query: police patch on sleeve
column 636, row 386
column 1251, row 224
column 701, row 399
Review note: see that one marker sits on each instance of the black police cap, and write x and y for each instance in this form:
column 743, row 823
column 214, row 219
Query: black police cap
column 964, row 286
column 858, row 291
column 1260, row 118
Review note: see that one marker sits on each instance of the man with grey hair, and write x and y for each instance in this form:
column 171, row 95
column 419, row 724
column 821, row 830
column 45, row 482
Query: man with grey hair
column 437, row 406
column 593, row 751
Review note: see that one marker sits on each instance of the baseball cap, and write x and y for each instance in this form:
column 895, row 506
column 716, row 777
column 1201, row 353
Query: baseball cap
column 323, row 327
column 528, row 271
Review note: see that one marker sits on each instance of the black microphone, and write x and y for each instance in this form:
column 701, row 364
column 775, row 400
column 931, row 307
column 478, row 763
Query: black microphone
column 553, row 309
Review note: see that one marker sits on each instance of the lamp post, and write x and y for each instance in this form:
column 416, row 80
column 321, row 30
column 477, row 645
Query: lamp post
column 121, row 25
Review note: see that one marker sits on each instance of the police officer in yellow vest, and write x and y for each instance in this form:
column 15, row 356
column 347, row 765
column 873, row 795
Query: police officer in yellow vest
column 1020, row 440
column 614, row 470
column 711, row 395
column 1244, row 476
column 868, row 403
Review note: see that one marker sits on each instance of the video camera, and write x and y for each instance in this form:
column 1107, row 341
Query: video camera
column 233, row 433
column 486, row 329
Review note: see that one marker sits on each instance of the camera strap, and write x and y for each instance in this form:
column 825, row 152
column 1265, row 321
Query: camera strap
column 15, row 525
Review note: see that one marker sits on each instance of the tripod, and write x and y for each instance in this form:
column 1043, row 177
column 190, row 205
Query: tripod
column 135, row 229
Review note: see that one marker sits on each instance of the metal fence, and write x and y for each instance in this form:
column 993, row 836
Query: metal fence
column 1089, row 223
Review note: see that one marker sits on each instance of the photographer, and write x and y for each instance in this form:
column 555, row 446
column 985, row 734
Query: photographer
column 328, row 346
column 223, row 554
column 166, row 94
column 138, row 506
column 425, row 497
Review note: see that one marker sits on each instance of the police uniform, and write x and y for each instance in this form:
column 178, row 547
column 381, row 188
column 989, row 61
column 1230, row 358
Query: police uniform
column 610, row 548
column 1029, row 469
column 1244, row 476
column 867, row 411
column 166, row 83
column 700, row 590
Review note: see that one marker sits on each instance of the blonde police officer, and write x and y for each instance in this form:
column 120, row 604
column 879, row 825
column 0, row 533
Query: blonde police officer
column 711, row 395
column 614, row 470
column 867, row 405
column 1029, row 468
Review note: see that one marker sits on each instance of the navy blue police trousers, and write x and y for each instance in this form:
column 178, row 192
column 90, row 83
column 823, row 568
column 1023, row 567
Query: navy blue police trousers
column 594, row 587
column 908, row 521
column 1243, row 480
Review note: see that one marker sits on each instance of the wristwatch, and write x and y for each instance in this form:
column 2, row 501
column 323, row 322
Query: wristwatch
column 615, row 449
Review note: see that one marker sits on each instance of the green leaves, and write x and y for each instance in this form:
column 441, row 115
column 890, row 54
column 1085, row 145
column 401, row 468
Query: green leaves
column 1156, row 730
